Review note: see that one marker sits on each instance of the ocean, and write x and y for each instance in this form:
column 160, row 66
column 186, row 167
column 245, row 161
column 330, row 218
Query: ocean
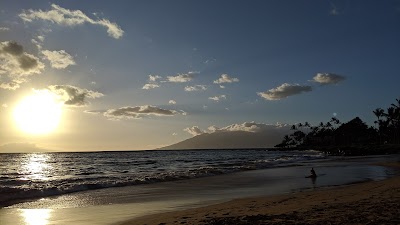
column 37, row 175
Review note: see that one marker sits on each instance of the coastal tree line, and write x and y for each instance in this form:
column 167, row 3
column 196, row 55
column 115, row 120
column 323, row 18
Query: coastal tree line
column 354, row 137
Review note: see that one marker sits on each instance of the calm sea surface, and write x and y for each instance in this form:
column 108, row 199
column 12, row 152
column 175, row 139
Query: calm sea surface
column 33, row 175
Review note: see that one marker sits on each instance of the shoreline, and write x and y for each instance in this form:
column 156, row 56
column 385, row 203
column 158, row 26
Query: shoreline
column 127, row 205
column 10, row 202
column 369, row 202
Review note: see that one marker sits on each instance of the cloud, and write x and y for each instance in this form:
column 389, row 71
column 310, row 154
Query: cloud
column 217, row 98
column 154, row 78
column 225, row 78
column 252, row 127
column 222, row 86
column 74, row 96
column 59, row 59
column 152, row 82
column 284, row 91
column 213, row 128
column 12, row 48
column 172, row 102
column 334, row 10
column 20, row 147
column 40, row 38
column 4, row 105
column 137, row 112
column 195, row 130
column 182, row 78
column 16, row 65
column 37, row 43
column 66, row 17
column 328, row 78
column 9, row 85
column 209, row 61
column 150, row 86
column 196, row 88
column 4, row 29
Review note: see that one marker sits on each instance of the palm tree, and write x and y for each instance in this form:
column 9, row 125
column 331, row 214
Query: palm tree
column 393, row 116
column 379, row 113
column 398, row 104
column 328, row 125
column 335, row 121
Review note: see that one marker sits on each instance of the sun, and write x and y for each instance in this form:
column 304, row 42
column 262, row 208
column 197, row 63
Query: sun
column 39, row 113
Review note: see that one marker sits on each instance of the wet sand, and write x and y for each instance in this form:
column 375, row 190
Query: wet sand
column 373, row 202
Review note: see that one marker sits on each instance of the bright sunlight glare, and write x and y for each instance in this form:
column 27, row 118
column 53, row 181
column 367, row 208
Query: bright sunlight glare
column 36, row 216
column 38, row 113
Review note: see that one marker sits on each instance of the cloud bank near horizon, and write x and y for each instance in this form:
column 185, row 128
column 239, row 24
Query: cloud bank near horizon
column 252, row 127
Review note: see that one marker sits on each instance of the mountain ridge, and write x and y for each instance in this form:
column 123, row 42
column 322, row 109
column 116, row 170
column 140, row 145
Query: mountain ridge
column 228, row 140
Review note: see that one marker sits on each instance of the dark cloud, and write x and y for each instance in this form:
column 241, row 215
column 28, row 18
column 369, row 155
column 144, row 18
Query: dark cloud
column 9, row 85
column 74, row 96
column 13, row 48
column 284, row 91
column 16, row 65
column 137, row 112
column 328, row 78
column 27, row 62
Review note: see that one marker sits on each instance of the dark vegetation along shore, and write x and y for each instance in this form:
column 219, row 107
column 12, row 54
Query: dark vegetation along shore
column 352, row 138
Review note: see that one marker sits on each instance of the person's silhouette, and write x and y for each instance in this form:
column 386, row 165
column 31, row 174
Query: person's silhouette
column 313, row 174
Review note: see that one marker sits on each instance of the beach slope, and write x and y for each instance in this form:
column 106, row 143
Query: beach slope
column 374, row 202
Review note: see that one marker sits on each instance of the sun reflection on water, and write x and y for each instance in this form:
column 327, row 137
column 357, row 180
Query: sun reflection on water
column 36, row 167
column 36, row 216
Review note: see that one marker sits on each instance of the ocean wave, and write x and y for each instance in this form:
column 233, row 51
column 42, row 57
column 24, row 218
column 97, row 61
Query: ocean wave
column 102, row 170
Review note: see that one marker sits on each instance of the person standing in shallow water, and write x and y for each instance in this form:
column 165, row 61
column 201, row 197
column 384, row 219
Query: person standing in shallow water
column 313, row 174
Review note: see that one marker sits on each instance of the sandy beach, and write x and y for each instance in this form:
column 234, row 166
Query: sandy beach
column 373, row 202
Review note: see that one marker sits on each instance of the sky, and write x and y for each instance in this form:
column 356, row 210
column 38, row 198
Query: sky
column 136, row 75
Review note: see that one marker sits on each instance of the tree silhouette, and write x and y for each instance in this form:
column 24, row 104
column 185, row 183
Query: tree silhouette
column 353, row 138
